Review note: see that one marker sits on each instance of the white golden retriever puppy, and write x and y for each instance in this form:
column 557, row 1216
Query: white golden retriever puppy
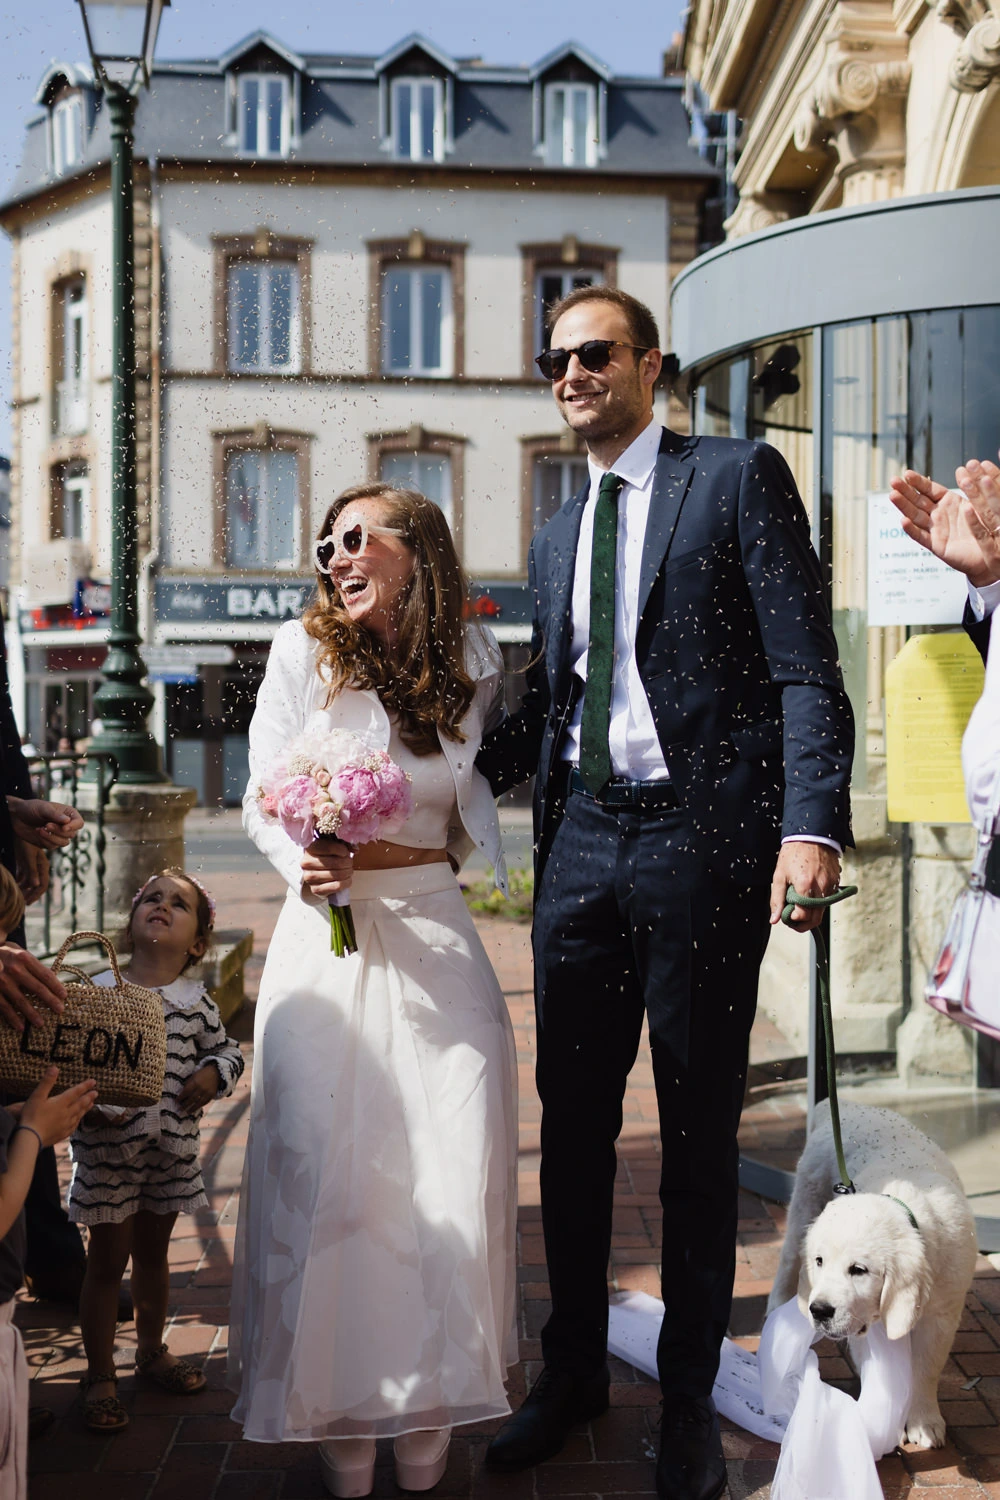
column 854, row 1258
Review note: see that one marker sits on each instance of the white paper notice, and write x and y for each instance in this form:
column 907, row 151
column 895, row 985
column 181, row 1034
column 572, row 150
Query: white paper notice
column 907, row 585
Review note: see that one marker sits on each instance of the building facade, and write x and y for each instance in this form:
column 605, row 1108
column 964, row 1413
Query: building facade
column 342, row 266
column 852, row 320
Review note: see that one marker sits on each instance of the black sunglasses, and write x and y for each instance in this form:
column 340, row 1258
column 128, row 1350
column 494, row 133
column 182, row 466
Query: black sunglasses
column 594, row 355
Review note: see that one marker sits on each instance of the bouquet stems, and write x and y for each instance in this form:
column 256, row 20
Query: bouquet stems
column 343, row 938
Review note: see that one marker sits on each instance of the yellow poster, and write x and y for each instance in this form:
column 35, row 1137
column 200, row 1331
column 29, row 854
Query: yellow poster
column 930, row 691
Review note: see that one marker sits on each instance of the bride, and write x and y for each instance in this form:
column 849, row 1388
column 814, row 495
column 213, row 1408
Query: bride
column 373, row 1287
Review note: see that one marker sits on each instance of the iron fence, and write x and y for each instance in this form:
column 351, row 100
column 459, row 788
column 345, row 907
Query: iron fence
column 75, row 896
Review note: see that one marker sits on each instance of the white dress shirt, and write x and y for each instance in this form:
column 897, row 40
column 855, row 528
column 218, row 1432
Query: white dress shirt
column 985, row 600
column 635, row 749
column 633, row 741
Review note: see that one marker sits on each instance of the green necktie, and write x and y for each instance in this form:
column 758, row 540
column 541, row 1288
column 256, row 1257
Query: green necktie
column 595, row 752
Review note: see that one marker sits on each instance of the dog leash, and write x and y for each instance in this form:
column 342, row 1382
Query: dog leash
column 792, row 900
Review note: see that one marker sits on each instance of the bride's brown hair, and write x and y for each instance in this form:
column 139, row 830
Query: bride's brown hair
column 423, row 678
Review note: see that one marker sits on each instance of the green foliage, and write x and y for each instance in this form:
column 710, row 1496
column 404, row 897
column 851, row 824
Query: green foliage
column 485, row 900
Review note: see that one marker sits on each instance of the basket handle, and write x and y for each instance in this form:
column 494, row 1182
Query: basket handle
column 77, row 974
column 88, row 937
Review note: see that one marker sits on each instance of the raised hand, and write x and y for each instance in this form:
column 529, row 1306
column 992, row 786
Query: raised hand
column 57, row 1117
column 47, row 825
column 937, row 518
column 980, row 485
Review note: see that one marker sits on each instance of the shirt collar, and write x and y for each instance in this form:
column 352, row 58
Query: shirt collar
column 638, row 461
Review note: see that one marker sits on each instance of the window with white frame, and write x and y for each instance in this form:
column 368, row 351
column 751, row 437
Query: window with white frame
column 72, row 406
column 67, row 133
column 71, row 510
column 429, row 473
column 551, row 285
column 556, row 479
column 263, row 316
column 418, row 119
column 417, row 328
column 571, row 124
column 263, row 113
column 262, row 522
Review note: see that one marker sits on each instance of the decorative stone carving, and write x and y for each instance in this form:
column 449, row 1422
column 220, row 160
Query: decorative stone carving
column 856, row 103
column 756, row 211
column 977, row 61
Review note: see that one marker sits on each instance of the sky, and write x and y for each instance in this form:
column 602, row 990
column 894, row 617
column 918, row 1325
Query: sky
column 628, row 35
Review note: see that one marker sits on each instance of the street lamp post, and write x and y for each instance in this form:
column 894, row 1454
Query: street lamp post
column 121, row 36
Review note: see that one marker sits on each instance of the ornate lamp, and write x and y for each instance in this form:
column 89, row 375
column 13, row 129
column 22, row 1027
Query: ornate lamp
column 121, row 36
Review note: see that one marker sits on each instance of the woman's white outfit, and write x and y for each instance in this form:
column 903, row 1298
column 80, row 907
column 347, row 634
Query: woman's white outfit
column 373, row 1286
column 981, row 765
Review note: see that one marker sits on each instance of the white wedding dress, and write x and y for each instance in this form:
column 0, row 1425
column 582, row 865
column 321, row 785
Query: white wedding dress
column 374, row 1283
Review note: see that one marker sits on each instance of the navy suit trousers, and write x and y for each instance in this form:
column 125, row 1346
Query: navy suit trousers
column 628, row 921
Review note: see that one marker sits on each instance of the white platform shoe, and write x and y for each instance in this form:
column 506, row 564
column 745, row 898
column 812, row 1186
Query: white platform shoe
column 421, row 1458
column 348, row 1466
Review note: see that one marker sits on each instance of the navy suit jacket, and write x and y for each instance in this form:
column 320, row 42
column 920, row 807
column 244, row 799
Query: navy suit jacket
column 978, row 631
column 735, row 650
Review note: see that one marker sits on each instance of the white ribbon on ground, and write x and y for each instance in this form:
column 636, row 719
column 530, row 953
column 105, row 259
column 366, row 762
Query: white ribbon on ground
column 633, row 1329
column 829, row 1442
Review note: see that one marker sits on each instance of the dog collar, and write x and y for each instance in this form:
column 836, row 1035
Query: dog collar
column 906, row 1209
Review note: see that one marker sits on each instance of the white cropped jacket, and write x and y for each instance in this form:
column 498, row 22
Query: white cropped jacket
column 293, row 693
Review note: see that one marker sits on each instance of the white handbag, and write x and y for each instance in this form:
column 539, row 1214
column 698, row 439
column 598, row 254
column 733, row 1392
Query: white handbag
column 965, row 980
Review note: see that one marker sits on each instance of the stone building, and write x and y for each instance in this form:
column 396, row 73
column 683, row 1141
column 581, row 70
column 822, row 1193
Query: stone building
column 852, row 318
column 342, row 264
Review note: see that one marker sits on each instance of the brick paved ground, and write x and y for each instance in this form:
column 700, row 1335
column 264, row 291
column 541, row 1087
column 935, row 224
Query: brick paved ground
column 187, row 1449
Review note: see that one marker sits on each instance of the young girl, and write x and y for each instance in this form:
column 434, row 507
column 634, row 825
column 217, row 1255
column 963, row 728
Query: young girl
column 24, row 1130
column 134, row 1171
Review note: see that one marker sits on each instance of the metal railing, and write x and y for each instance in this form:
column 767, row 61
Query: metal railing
column 75, row 897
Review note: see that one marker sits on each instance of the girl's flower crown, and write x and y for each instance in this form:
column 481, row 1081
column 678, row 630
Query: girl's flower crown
column 192, row 880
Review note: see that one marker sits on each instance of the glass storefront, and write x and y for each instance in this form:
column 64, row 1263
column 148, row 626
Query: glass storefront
column 849, row 405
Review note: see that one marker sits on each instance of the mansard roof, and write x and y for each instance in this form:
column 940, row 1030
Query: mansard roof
column 494, row 109
column 257, row 40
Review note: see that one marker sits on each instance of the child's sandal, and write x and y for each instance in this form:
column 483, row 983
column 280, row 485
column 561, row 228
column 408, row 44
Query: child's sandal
column 176, row 1378
column 101, row 1413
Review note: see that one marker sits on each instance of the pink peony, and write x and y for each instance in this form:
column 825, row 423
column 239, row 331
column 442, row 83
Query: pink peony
column 395, row 800
column 295, row 812
column 357, row 789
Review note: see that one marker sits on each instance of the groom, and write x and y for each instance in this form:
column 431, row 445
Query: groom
column 687, row 722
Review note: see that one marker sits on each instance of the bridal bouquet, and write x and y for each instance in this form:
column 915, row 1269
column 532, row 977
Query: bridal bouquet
column 334, row 784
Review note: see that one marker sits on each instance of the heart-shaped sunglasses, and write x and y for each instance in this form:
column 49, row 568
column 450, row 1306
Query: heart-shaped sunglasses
column 350, row 542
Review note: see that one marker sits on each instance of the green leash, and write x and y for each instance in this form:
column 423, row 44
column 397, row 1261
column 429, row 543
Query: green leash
column 792, row 900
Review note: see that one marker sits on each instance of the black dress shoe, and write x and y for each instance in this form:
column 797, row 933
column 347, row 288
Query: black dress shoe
column 557, row 1401
column 691, row 1465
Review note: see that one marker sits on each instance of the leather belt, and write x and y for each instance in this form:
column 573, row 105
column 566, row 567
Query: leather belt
column 620, row 793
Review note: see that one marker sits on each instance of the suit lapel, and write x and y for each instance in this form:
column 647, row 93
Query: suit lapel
column 563, row 537
column 670, row 484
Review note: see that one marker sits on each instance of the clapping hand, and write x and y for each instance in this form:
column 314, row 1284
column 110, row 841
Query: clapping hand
column 47, row 825
column 938, row 519
column 980, row 486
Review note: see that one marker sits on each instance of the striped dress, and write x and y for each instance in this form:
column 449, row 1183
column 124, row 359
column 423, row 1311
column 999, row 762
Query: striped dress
column 148, row 1158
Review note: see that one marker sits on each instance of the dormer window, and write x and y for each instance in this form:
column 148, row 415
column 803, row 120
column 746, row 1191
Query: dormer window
column 416, row 101
column 263, row 114
column 67, row 133
column 418, row 119
column 571, row 125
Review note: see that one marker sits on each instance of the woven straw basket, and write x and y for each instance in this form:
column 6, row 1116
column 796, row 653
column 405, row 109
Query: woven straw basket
column 116, row 1036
